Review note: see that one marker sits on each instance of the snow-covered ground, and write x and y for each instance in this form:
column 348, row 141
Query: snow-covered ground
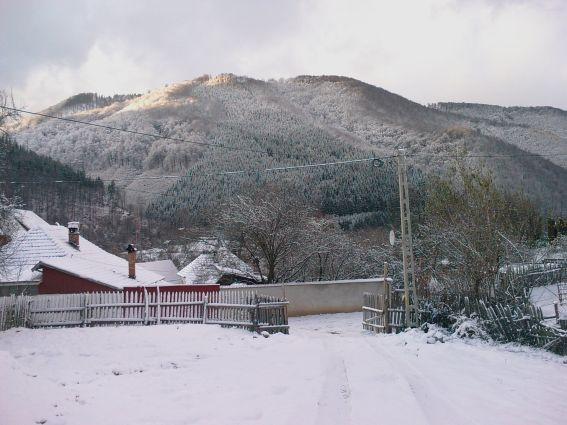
column 545, row 297
column 328, row 371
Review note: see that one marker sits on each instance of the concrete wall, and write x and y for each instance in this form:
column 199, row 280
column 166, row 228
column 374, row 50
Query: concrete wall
column 305, row 298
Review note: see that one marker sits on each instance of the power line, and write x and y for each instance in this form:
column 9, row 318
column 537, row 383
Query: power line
column 377, row 161
column 139, row 133
column 94, row 180
column 454, row 156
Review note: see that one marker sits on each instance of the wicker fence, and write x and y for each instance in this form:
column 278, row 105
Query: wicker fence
column 243, row 310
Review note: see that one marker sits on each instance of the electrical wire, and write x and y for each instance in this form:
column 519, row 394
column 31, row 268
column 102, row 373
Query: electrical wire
column 139, row 133
column 297, row 167
column 377, row 161
column 251, row 171
column 551, row 155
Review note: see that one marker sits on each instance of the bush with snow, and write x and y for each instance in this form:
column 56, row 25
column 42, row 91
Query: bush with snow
column 469, row 327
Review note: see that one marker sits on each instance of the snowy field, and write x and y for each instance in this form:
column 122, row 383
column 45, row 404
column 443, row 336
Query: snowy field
column 328, row 371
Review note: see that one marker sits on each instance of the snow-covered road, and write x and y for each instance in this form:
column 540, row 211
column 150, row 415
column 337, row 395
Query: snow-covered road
column 328, row 371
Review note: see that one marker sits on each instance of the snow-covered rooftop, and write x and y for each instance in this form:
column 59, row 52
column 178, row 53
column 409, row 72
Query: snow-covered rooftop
column 111, row 272
column 166, row 268
column 28, row 219
column 208, row 268
column 44, row 244
column 25, row 251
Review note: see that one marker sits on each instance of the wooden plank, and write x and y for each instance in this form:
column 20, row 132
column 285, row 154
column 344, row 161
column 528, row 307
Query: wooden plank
column 116, row 319
column 375, row 310
column 52, row 323
column 181, row 319
column 57, row 309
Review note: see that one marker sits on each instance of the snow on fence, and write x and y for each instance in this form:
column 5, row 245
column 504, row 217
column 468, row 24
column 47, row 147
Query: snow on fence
column 244, row 310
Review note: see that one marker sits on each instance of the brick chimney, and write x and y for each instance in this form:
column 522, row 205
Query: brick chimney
column 74, row 234
column 131, row 261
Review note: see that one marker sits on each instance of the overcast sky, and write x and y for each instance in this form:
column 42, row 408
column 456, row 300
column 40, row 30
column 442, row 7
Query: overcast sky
column 508, row 52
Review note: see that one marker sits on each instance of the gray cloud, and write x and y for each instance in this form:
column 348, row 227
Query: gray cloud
column 505, row 52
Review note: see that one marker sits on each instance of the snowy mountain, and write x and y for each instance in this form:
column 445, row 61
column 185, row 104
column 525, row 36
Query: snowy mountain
column 295, row 121
column 535, row 129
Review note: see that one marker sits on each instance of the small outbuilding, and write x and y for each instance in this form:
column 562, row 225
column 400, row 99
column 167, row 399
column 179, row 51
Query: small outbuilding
column 218, row 267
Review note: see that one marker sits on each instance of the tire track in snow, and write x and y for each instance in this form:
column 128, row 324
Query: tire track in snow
column 436, row 403
column 379, row 390
column 333, row 406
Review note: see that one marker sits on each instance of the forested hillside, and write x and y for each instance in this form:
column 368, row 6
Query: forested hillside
column 33, row 179
column 302, row 120
column 59, row 193
column 535, row 129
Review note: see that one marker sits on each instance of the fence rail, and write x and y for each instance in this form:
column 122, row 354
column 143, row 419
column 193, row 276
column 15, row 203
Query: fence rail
column 244, row 310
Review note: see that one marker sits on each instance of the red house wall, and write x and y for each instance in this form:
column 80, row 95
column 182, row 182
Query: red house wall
column 56, row 282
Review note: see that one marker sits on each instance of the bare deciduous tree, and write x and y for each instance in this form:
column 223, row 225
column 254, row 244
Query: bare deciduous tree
column 471, row 228
column 287, row 240
column 271, row 228
column 6, row 113
column 7, row 206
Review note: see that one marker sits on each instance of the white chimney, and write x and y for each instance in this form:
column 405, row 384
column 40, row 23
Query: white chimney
column 74, row 233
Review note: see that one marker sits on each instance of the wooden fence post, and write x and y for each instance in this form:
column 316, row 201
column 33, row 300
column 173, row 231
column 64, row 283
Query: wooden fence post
column 28, row 312
column 256, row 312
column 30, row 321
column 386, row 307
column 205, row 300
column 146, row 307
column 84, row 310
column 158, row 306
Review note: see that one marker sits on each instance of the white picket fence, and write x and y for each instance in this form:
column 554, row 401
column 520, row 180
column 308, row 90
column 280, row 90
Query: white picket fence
column 245, row 309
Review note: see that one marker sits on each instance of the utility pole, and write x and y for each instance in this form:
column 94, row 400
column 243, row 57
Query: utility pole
column 410, row 293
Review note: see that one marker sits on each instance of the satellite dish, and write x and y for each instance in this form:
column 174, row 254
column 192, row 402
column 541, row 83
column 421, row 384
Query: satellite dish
column 392, row 238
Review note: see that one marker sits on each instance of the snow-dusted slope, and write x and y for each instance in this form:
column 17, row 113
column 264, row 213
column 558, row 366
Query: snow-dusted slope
column 536, row 129
column 295, row 121
column 328, row 371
